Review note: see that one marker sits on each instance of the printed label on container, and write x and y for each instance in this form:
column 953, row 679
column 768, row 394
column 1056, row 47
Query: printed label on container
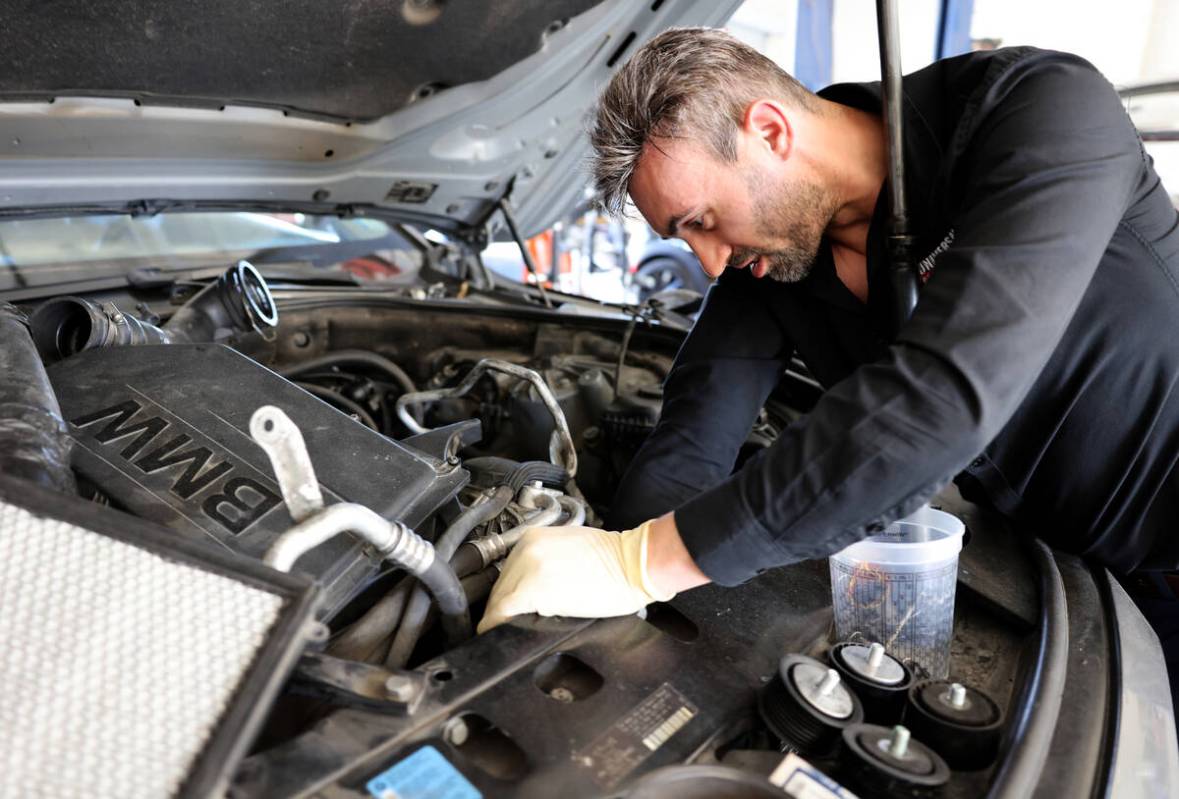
column 425, row 774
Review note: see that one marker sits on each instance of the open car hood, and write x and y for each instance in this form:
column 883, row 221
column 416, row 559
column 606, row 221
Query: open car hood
column 417, row 109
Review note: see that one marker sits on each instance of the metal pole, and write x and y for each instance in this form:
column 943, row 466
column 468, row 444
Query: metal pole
column 510, row 217
column 902, row 274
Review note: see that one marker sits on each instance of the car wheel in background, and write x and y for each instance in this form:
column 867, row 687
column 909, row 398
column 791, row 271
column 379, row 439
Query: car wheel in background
column 664, row 273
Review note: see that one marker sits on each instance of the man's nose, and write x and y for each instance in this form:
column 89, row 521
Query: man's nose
column 713, row 257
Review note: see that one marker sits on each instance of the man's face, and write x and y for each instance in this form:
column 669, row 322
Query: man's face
column 749, row 213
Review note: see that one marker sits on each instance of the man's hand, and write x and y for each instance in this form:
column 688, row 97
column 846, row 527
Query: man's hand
column 589, row 573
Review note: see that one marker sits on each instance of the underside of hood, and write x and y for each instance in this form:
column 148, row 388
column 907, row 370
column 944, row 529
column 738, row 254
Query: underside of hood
column 347, row 60
column 423, row 110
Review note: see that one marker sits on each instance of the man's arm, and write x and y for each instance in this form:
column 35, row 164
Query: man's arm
column 726, row 368
column 723, row 373
column 1053, row 163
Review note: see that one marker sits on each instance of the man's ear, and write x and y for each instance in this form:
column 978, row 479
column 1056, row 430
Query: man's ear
column 768, row 124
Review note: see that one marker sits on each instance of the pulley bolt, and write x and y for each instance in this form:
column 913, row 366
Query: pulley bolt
column 958, row 695
column 562, row 694
column 829, row 682
column 318, row 633
column 899, row 744
column 456, row 731
column 875, row 658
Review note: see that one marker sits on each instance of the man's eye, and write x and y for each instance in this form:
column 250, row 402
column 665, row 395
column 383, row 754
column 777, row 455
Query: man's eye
column 697, row 223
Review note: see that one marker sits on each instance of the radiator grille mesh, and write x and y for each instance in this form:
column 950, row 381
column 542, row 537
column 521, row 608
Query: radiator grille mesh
column 115, row 664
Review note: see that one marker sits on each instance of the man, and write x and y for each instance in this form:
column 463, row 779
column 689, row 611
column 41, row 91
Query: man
column 1039, row 368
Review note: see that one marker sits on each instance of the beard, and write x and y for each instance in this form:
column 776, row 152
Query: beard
column 798, row 214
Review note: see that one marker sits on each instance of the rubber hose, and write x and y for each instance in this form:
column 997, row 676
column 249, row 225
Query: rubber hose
column 66, row 326
column 352, row 356
column 34, row 444
column 478, row 585
column 237, row 302
column 468, row 520
column 440, row 580
column 496, row 468
column 530, row 471
column 329, row 396
column 504, row 471
column 466, row 560
column 413, row 621
column 362, row 639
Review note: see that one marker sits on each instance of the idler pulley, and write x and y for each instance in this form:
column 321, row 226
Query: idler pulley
column 880, row 681
column 806, row 705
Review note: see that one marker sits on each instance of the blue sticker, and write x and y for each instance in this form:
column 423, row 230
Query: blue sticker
column 425, row 774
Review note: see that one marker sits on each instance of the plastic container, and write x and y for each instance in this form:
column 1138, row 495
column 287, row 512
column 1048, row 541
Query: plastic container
column 898, row 587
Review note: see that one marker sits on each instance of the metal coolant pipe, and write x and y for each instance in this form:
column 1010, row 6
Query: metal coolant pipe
column 33, row 440
column 239, row 301
column 394, row 541
column 496, row 546
column 574, row 508
column 562, row 451
column 283, row 443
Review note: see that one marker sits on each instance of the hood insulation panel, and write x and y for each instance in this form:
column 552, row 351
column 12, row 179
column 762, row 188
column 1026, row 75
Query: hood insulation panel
column 323, row 58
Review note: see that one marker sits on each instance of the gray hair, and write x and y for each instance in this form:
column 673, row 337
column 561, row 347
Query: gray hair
column 684, row 83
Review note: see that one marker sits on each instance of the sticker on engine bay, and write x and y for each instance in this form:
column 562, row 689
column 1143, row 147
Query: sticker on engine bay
column 636, row 736
column 802, row 780
column 425, row 774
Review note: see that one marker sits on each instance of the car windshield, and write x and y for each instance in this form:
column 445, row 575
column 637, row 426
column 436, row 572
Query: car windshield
column 45, row 252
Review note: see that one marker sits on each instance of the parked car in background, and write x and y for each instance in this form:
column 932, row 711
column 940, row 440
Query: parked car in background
column 667, row 264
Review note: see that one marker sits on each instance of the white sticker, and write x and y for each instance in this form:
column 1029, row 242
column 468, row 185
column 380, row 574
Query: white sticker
column 803, row 781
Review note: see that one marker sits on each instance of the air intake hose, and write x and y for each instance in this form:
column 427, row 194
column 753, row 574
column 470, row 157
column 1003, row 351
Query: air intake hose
column 238, row 301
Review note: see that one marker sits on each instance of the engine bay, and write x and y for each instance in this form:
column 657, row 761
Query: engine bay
column 463, row 425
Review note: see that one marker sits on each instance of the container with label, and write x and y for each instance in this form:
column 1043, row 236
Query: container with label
column 897, row 587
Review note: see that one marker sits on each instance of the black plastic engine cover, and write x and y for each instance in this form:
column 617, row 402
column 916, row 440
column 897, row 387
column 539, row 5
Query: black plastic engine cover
column 163, row 431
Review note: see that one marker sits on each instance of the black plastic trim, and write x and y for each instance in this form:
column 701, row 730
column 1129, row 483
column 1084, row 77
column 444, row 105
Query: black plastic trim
column 1103, row 782
column 1035, row 710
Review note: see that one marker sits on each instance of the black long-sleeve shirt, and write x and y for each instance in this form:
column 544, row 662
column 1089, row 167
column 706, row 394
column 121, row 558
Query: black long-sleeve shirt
column 1039, row 367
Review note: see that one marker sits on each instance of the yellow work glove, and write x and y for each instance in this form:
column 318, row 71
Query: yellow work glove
column 574, row 571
